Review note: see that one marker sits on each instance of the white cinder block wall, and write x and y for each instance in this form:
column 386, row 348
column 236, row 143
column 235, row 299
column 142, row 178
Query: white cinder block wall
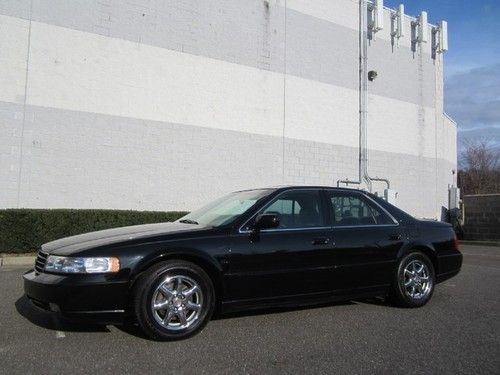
column 165, row 105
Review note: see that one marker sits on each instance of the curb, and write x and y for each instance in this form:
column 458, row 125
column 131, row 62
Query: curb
column 17, row 261
column 480, row 243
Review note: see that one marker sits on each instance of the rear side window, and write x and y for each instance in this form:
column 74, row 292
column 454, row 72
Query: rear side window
column 353, row 209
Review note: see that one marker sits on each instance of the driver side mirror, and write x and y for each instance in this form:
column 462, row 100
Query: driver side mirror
column 266, row 221
column 263, row 221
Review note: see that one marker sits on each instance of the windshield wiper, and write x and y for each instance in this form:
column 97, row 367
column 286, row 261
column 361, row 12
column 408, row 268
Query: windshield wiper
column 188, row 221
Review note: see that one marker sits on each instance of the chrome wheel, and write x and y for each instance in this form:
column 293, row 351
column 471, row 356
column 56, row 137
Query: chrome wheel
column 177, row 302
column 417, row 280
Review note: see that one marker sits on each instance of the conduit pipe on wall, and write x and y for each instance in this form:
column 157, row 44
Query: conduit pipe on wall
column 363, row 104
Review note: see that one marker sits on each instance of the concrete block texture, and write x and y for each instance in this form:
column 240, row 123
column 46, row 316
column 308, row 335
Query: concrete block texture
column 482, row 217
column 88, row 160
column 167, row 104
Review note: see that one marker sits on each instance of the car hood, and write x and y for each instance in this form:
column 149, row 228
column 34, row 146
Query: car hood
column 72, row 244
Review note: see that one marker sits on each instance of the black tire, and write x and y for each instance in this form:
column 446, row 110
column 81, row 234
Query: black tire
column 147, row 288
column 401, row 294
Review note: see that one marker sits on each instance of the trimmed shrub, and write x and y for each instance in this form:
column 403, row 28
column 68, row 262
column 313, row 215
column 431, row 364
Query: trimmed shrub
column 24, row 230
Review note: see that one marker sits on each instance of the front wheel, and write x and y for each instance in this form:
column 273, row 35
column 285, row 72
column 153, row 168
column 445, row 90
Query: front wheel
column 414, row 281
column 173, row 300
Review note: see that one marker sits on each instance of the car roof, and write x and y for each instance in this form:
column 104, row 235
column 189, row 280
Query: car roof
column 290, row 187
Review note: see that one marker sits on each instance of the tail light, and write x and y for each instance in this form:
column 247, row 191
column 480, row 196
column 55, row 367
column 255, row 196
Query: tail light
column 456, row 244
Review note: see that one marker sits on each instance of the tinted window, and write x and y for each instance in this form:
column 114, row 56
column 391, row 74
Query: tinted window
column 297, row 209
column 354, row 209
column 226, row 209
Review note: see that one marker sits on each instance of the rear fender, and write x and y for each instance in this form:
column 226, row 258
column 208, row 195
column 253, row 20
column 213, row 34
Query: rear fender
column 425, row 248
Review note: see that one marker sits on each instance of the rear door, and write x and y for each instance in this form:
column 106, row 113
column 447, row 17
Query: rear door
column 366, row 240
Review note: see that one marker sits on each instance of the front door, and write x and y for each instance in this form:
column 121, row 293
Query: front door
column 285, row 261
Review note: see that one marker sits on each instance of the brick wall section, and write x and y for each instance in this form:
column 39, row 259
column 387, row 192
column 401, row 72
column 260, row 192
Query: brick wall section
column 482, row 217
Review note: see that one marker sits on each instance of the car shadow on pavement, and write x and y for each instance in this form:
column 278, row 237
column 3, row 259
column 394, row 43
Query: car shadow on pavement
column 52, row 320
column 133, row 328
column 279, row 310
column 56, row 322
column 377, row 301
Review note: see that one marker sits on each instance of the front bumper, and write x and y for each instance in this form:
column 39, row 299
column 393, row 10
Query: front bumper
column 77, row 295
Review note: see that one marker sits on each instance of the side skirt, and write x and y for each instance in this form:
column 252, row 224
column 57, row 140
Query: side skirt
column 303, row 299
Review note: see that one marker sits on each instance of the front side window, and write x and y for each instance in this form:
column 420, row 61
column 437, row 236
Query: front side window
column 297, row 209
column 352, row 209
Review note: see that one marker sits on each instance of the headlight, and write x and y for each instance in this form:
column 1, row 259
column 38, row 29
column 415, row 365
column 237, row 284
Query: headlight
column 81, row 265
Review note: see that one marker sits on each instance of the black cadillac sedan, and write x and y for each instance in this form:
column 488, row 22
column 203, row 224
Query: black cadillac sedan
column 249, row 249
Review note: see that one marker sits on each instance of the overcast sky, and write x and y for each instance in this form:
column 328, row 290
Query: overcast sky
column 472, row 64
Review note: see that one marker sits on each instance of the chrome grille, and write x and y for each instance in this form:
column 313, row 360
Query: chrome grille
column 41, row 259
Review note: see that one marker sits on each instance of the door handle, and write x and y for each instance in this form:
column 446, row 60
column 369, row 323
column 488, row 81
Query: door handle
column 395, row 237
column 321, row 241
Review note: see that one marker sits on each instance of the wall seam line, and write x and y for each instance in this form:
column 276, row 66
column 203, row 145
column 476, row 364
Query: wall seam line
column 25, row 100
column 284, row 93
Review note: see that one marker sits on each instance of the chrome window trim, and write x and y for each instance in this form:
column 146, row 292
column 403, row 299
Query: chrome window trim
column 395, row 222
column 285, row 229
column 364, row 226
column 318, row 190
column 383, row 209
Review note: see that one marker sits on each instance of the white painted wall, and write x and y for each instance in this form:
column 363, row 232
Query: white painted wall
column 114, row 123
column 13, row 53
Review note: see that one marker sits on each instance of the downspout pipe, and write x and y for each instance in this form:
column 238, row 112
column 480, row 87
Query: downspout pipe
column 363, row 92
column 362, row 71
column 363, row 103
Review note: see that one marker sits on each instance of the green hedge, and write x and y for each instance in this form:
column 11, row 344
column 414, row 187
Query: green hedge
column 24, row 230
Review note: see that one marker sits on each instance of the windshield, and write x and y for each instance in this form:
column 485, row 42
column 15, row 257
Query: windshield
column 226, row 209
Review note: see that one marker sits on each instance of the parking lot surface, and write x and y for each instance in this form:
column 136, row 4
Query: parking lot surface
column 458, row 331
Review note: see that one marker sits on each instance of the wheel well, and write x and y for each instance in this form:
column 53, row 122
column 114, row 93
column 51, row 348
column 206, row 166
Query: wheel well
column 209, row 268
column 431, row 255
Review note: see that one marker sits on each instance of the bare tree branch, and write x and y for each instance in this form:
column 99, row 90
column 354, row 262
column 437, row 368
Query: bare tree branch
column 480, row 169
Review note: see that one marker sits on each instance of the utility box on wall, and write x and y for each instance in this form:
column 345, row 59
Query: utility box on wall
column 453, row 197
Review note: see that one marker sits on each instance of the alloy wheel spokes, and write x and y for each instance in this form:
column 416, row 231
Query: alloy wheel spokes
column 417, row 283
column 183, row 317
column 180, row 286
column 420, row 270
column 193, row 306
column 189, row 292
column 161, row 306
column 168, row 293
column 168, row 317
column 177, row 302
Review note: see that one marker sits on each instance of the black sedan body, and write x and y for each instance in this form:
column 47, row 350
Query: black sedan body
column 292, row 246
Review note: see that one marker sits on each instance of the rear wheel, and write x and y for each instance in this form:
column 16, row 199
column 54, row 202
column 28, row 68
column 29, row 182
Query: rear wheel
column 173, row 300
column 414, row 280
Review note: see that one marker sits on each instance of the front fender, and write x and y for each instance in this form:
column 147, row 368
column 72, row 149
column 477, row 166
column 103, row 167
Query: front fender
column 185, row 253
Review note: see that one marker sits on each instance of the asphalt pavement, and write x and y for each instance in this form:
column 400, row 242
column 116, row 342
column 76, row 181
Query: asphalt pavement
column 458, row 331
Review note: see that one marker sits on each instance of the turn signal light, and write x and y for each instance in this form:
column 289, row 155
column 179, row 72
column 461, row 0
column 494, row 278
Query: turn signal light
column 115, row 264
